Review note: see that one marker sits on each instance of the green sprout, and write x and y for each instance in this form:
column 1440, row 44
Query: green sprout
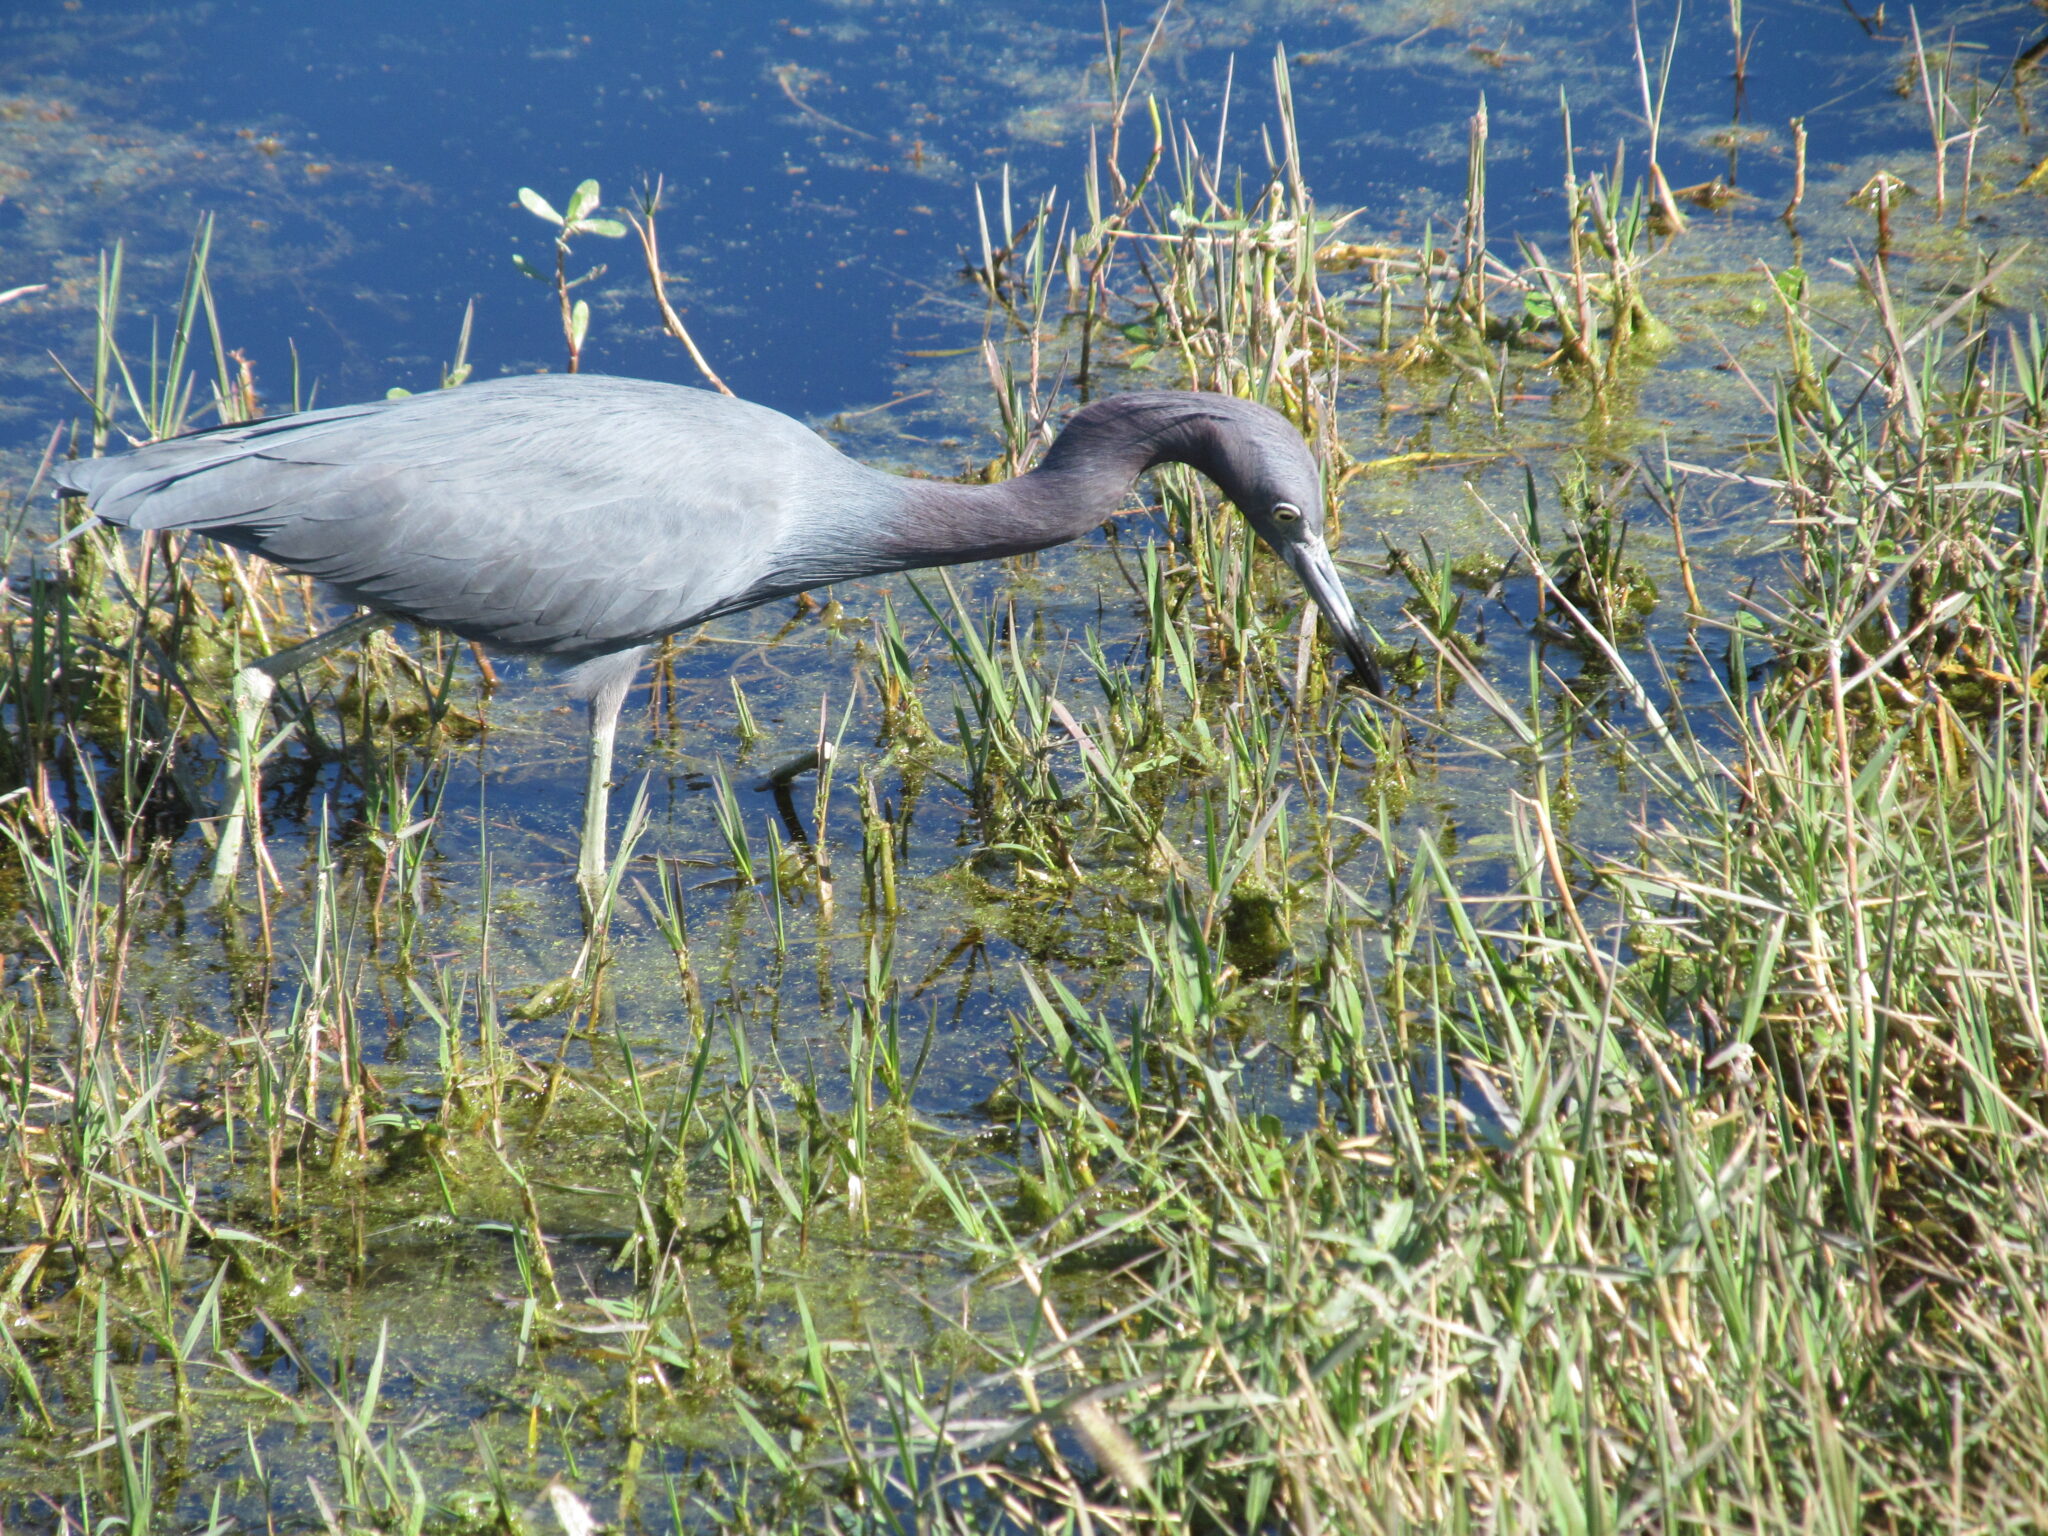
column 576, row 221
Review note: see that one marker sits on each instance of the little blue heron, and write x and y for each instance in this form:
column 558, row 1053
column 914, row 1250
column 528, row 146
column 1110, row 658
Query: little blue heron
column 585, row 517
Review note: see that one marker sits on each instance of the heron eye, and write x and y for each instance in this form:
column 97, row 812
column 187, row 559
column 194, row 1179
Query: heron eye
column 1286, row 512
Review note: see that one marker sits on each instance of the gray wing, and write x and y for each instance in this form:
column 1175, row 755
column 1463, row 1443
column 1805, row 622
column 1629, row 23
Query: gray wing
column 566, row 515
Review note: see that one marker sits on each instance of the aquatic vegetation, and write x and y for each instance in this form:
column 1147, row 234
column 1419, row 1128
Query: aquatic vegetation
column 1099, row 1072
column 576, row 219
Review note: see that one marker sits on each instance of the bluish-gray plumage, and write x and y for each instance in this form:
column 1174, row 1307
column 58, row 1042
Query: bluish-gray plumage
column 578, row 515
column 585, row 517
column 569, row 516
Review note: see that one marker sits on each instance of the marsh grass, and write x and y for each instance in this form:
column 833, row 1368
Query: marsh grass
column 1334, row 1176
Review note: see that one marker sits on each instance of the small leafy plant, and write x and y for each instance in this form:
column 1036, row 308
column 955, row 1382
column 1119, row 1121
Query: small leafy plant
column 568, row 225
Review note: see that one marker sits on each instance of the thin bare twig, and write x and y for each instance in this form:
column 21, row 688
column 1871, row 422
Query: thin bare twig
column 650, row 249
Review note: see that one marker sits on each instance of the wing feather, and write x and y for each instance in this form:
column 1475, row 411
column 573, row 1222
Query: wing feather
column 574, row 516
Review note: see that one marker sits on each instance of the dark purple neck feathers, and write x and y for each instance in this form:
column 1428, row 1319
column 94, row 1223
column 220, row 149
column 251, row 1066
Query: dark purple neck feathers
column 1089, row 470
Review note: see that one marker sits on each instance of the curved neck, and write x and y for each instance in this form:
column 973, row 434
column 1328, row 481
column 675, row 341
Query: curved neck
column 947, row 524
column 1082, row 481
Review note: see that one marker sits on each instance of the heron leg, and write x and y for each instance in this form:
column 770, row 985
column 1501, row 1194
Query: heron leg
column 255, row 686
column 606, row 700
column 253, row 690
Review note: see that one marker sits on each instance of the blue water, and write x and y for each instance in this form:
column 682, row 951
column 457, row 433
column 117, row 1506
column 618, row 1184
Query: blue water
column 363, row 159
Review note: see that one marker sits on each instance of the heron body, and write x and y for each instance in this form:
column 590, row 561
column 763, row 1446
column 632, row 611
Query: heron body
column 585, row 517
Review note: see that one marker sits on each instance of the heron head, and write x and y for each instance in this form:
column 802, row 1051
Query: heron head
column 1261, row 463
column 1255, row 456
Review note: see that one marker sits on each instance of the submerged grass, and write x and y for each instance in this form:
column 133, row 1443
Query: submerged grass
column 1335, row 1167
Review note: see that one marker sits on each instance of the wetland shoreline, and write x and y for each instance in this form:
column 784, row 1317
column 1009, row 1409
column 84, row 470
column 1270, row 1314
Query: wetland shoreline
column 1135, row 1082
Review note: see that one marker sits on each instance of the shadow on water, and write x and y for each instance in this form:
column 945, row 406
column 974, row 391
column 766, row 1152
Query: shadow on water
column 815, row 1011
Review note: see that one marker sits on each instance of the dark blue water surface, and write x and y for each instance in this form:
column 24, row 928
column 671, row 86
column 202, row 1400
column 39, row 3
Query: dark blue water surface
column 820, row 157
